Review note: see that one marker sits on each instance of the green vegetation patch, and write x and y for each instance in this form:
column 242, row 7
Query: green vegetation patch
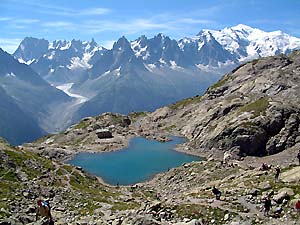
column 44, row 138
column 135, row 115
column 258, row 107
column 82, row 124
column 28, row 162
column 9, row 175
column 121, row 206
column 220, row 83
column 185, row 102
column 196, row 211
column 169, row 128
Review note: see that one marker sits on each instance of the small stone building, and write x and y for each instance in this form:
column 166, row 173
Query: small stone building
column 104, row 133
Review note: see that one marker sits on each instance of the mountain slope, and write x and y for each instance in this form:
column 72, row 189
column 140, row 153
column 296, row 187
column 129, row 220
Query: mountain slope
column 252, row 111
column 29, row 91
column 16, row 126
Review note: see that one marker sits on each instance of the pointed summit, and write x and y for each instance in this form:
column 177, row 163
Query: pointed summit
column 31, row 48
column 93, row 42
column 121, row 44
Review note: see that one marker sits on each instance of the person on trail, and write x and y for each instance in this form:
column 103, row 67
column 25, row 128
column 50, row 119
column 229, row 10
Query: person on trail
column 298, row 157
column 216, row 192
column 264, row 167
column 297, row 206
column 43, row 209
column 267, row 206
column 277, row 170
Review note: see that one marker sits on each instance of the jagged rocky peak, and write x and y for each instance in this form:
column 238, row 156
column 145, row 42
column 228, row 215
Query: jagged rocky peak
column 31, row 48
column 139, row 43
column 122, row 44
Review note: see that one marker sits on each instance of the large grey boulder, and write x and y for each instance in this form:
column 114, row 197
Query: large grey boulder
column 103, row 133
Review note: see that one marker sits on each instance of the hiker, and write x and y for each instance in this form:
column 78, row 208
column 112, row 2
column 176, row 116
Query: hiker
column 264, row 166
column 298, row 157
column 44, row 210
column 277, row 170
column 216, row 192
column 267, row 206
column 297, row 206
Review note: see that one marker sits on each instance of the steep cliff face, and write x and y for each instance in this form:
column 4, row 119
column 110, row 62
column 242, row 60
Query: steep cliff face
column 254, row 110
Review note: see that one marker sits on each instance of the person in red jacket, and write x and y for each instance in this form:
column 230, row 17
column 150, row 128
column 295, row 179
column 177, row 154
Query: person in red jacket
column 297, row 206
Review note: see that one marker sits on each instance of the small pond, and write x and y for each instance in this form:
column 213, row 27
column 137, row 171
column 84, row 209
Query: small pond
column 140, row 161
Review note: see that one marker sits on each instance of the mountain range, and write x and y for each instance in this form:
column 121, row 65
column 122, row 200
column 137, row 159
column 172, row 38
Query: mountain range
column 143, row 74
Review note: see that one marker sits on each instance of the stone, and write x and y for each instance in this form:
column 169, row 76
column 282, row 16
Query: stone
column 226, row 217
column 253, row 192
column 281, row 196
column 103, row 133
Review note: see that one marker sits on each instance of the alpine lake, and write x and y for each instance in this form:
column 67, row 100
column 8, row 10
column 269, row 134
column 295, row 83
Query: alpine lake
column 139, row 162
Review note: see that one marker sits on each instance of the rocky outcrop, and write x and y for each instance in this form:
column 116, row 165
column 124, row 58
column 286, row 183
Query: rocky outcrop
column 253, row 110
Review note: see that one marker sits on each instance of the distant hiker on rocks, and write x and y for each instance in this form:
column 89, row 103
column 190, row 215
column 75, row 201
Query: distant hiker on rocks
column 265, row 166
column 267, row 206
column 298, row 157
column 216, row 192
column 44, row 210
column 277, row 170
column 297, row 206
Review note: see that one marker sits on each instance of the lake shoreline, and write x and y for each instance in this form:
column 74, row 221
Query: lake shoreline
column 172, row 149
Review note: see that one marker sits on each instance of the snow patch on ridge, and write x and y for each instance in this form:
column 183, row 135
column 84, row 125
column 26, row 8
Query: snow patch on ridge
column 11, row 74
column 77, row 63
column 26, row 62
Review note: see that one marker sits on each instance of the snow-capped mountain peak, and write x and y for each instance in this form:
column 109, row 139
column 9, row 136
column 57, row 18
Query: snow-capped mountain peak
column 208, row 49
column 243, row 28
column 247, row 43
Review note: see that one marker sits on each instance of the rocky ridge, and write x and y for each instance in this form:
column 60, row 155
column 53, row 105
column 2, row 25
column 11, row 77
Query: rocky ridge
column 253, row 110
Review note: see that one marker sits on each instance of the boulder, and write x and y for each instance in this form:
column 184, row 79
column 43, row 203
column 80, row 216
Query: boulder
column 281, row 196
column 103, row 133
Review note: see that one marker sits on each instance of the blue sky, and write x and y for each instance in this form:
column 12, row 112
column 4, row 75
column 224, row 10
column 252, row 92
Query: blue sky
column 107, row 20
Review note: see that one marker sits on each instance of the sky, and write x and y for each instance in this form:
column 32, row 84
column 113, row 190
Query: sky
column 108, row 20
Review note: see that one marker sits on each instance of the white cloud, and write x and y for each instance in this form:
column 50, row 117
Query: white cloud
column 93, row 11
column 9, row 45
column 2, row 19
column 49, row 9
column 160, row 23
column 58, row 25
column 195, row 21
column 25, row 21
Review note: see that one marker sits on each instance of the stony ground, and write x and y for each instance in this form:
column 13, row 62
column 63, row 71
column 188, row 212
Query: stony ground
column 180, row 196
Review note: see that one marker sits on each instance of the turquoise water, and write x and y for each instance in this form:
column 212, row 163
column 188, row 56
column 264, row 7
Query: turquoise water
column 139, row 162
